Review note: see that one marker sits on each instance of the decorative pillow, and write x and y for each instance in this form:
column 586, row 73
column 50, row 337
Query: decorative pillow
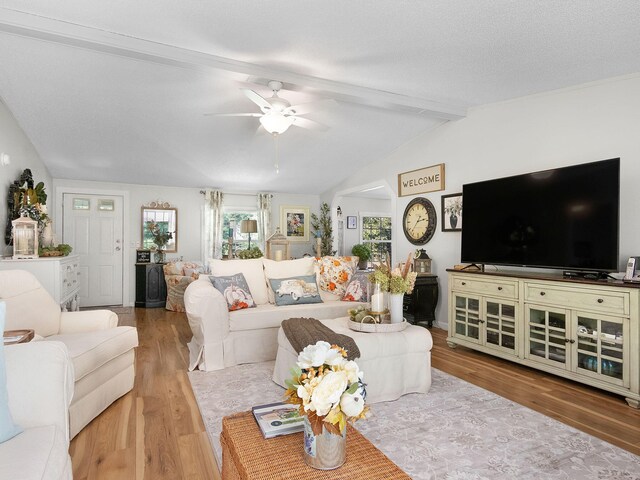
column 358, row 288
column 235, row 290
column 253, row 272
column 295, row 290
column 286, row 269
column 193, row 272
column 8, row 429
column 334, row 273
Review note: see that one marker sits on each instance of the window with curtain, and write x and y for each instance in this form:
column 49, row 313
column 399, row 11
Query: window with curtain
column 231, row 219
column 376, row 233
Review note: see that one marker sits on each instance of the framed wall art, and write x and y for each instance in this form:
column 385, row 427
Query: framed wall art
column 295, row 223
column 452, row 212
column 352, row 222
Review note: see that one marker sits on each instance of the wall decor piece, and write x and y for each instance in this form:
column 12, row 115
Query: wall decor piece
column 419, row 221
column 452, row 212
column 165, row 220
column 352, row 222
column 143, row 256
column 423, row 180
column 295, row 223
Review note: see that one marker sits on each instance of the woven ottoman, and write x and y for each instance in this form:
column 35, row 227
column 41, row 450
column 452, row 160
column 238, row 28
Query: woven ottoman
column 394, row 364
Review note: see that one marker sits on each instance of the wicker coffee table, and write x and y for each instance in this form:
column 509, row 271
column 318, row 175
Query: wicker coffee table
column 246, row 455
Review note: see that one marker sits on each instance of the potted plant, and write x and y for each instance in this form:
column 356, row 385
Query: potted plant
column 363, row 252
column 322, row 225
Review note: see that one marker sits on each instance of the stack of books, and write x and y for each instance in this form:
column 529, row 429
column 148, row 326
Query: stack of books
column 278, row 419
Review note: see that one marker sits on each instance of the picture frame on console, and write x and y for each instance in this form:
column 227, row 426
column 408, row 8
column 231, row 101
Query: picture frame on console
column 451, row 212
column 295, row 223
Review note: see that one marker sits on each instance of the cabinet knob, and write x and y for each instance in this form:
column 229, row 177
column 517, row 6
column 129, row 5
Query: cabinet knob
column 499, row 288
column 542, row 293
column 464, row 283
column 600, row 300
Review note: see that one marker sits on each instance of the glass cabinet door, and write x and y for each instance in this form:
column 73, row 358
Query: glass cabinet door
column 601, row 350
column 547, row 336
column 500, row 326
column 467, row 317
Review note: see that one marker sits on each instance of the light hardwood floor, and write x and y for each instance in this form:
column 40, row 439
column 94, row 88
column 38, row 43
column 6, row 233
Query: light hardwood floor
column 156, row 432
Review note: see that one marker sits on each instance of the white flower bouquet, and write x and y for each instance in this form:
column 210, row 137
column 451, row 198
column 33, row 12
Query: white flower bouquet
column 328, row 388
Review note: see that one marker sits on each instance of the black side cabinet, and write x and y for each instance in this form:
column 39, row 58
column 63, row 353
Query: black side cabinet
column 151, row 289
column 420, row 306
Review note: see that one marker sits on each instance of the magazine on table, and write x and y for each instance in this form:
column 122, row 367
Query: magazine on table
column 278, row 419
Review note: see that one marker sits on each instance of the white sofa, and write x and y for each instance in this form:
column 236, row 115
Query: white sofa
column 102, row 353
column 222, row 339
column 40, row 388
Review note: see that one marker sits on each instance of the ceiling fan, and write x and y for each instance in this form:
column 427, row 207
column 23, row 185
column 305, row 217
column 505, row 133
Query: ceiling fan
column 277, row 113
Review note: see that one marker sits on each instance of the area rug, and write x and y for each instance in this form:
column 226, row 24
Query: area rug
column 456, row 431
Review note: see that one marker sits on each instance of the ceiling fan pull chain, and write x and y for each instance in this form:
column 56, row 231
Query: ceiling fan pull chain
column 275, row 140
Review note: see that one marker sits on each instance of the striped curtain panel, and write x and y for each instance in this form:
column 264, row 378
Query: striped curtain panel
column 264, row 219
column 212, row 225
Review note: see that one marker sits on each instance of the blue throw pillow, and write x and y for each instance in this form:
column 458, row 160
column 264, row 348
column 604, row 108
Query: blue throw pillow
column 295, row 290
column 8, row 429
column 235, row 290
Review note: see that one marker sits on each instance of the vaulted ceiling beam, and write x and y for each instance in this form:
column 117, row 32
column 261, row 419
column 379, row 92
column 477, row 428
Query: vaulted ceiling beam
column 73, row 35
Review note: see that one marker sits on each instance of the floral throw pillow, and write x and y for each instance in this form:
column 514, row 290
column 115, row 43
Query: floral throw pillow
column 334, row 273
column 357, row 290
column 235, row 290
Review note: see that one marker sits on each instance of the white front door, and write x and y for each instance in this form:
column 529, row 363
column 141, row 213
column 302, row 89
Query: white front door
column 93, row 226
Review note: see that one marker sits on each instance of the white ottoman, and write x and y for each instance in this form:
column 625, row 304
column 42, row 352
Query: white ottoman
column 394, row 364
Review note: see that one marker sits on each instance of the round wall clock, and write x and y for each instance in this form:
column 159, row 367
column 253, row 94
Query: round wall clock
column 419, row 221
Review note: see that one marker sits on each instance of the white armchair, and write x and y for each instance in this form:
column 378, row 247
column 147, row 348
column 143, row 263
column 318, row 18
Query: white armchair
column 102, row 353
column 40, row 388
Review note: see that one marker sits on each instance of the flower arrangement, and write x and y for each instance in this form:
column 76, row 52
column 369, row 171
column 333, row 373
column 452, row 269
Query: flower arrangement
column 394, row 280
column 159, row 234
column 327, row 387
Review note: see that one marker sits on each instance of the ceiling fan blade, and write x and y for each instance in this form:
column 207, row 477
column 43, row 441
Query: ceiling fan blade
column 309, row 124
column 309, row 107
column 233, row 114
column 257, row 99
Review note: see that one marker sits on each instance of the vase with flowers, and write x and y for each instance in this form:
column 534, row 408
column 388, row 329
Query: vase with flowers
column 329, row 391
column 160, row 236
column 395, row 281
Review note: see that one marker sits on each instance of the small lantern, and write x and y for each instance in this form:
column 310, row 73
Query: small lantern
column 277, row 246
column 25, row 238
column 422, row 262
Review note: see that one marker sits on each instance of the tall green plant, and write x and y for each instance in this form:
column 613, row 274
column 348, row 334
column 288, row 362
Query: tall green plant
column 322, row 225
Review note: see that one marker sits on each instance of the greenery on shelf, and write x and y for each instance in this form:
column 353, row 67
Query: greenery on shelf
column 253, row 252
column 61, row 250
column 322, row 226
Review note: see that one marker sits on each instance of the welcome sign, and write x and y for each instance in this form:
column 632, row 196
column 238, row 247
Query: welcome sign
column 423, row 180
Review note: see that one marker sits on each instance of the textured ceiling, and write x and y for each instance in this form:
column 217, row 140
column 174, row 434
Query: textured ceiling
column 98, row 106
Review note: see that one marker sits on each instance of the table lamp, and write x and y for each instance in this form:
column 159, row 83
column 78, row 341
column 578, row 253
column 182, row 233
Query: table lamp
column 249, row 226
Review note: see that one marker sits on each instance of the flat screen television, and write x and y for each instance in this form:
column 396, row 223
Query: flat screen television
column 565, row 218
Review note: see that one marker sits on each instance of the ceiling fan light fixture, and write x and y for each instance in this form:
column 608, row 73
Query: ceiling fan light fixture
column 275, row 122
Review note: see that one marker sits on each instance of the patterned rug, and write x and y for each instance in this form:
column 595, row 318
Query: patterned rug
column 457, row 431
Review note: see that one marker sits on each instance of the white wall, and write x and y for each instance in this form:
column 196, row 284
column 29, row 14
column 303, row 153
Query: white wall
column 23, row 155
column 297, row 249
column 354, row 207
column 576, row 125
column 189, row 203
